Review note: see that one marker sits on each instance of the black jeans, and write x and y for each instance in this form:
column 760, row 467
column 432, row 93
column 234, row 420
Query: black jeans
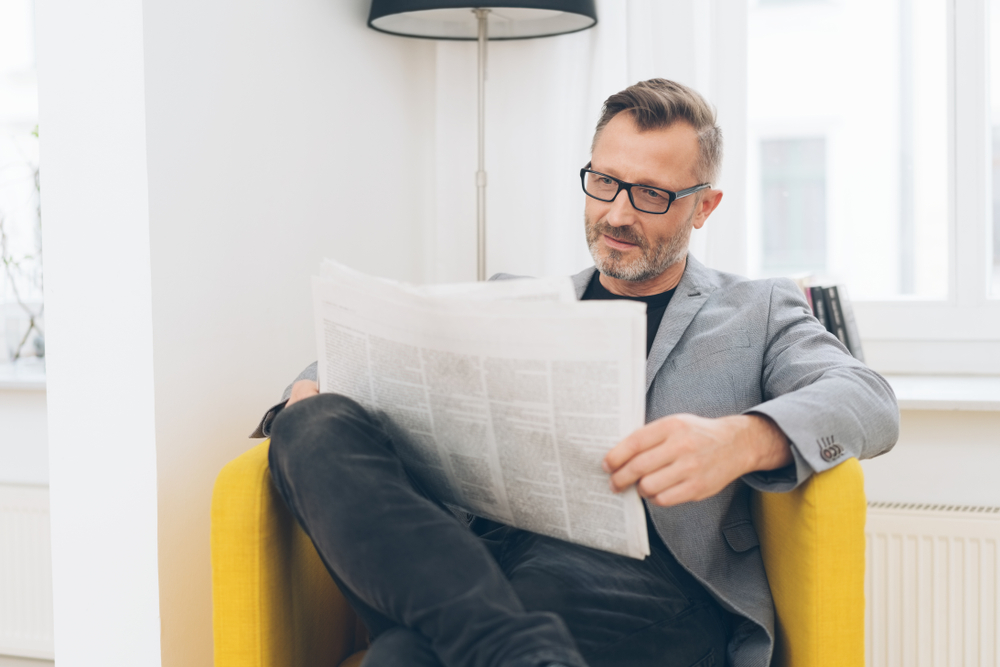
column 434, row 591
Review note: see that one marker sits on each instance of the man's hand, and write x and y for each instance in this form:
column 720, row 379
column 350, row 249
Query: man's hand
column 302, row 389
column 682, row 458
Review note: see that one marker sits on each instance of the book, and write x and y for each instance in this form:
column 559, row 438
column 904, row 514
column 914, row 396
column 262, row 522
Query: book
column 474, row 380
column 832, row 307
column 819, row 306
column 850, row 324
column 835, row 315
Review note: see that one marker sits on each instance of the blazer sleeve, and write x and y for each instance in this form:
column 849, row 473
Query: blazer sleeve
column 263, row 429
column 830, row 405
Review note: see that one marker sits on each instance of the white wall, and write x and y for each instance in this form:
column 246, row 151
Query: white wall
column 200, row 159
column 279, row 134
column 949, row 457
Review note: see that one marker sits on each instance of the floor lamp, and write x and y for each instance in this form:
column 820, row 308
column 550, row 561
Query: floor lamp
column 456, row 19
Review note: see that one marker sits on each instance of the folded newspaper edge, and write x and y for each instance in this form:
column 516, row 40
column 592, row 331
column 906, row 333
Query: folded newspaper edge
column 502, row 397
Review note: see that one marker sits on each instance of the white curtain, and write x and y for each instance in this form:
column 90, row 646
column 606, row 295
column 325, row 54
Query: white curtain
column 543, row 100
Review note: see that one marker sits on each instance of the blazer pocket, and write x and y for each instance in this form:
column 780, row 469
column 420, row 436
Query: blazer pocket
column 741, row 536
column 710, row 346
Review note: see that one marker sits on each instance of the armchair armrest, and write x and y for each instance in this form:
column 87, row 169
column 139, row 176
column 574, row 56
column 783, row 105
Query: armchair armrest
column 273, row 602
column 812, row 540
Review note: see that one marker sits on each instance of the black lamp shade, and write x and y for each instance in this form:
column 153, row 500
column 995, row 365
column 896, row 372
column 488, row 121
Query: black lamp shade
column 454, row 19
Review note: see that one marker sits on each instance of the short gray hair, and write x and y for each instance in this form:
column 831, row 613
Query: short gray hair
column 657, row 103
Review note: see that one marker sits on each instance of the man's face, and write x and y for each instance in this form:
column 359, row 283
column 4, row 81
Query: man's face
column 627, row 244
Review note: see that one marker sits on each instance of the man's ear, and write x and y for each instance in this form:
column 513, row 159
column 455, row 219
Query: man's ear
column 709, row 202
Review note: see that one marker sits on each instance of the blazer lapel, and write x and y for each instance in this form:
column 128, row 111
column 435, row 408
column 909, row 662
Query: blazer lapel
column 581, row 280
column 692, row 292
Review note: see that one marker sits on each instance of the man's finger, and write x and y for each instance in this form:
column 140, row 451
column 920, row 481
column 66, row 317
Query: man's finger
column 302, row 389
column 642, row 464
column 663, row 479
column 685, row 492
column 638, row 441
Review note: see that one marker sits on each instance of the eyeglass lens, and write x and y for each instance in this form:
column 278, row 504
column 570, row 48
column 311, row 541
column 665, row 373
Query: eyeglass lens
column 645, row 199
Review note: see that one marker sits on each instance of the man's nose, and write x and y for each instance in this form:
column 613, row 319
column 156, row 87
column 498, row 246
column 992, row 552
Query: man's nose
column 622, row 212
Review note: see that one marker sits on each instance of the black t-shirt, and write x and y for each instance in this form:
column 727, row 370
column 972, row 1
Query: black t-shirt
column 656, row 305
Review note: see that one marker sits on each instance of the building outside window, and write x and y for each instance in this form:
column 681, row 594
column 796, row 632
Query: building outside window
column 793, row 202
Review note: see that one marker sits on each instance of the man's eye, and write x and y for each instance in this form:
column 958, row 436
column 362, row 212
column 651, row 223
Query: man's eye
column 652, row 194
column 604, row 180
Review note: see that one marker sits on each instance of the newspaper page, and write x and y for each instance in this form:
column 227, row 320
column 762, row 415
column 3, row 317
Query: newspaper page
column 502, row 397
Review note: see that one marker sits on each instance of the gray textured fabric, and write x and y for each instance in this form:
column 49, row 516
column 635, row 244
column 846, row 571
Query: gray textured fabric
column 728, row 345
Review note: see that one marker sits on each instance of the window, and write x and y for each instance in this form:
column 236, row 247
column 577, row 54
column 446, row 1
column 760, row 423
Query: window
column 20, row 232
column 898, row 93
column 871, row 78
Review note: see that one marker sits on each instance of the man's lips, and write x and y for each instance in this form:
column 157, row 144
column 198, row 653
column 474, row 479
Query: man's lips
column 618, row 245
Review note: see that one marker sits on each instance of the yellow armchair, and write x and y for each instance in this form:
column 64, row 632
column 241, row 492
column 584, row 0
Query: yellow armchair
column 275, row 605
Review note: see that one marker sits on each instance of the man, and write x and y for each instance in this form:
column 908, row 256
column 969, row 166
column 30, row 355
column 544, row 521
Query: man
column 745, row 389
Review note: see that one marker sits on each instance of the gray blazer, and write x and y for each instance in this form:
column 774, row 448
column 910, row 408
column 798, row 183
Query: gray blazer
column 728, row 345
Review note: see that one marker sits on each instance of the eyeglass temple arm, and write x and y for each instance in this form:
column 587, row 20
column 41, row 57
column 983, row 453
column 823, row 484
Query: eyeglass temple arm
column 691, row 190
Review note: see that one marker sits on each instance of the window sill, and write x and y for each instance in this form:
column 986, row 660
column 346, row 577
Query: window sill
column 913, row 392
column 946, row 392
column 28, row 375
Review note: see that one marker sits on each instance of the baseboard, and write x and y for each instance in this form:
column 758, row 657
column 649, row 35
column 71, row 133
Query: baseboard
column 11, row 661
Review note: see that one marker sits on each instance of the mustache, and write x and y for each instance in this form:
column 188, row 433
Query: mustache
column 626, row 234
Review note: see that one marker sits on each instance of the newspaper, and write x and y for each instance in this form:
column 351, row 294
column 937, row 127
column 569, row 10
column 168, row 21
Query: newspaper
column 502, row 397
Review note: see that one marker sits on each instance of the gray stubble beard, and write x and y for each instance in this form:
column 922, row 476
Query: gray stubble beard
column 651, row 263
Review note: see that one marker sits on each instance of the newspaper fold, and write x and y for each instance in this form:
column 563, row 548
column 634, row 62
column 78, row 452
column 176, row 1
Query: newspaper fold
column 502, row 397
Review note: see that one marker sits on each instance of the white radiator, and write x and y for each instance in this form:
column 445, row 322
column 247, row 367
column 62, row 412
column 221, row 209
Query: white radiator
column 25, row 572
column 931, row 585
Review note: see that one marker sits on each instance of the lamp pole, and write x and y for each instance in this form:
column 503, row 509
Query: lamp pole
column 449, row 19
column 481, row 15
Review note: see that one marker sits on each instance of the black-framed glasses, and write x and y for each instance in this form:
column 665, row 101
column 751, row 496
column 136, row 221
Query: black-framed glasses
column 644, row 198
